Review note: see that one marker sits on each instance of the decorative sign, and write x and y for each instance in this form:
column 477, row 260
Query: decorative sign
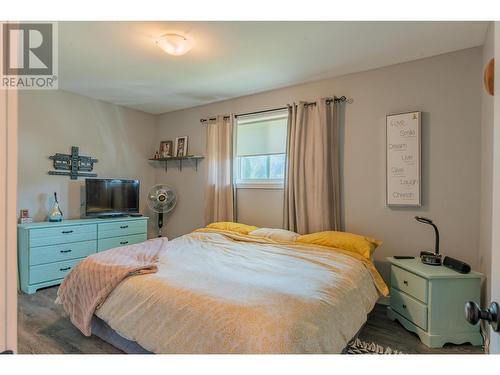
column 403, row 159
column 73, row 164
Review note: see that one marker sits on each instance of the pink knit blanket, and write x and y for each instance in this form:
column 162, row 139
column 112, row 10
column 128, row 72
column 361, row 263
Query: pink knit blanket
column 88, row 285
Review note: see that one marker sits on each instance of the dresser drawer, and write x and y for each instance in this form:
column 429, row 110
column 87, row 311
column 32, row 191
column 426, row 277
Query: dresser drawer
column 62, row 234
column 110, row 243
column 409, row 283
column 413, row 310
column 51, row 271
column 124, row 228
column 57, row 253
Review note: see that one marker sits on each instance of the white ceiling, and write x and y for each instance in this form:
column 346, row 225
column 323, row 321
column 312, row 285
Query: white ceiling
column 118, row 61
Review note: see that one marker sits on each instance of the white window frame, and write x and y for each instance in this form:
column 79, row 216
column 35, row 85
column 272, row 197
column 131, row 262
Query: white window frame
column 253, row 184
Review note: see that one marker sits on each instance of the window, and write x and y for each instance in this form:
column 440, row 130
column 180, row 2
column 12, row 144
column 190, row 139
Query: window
column 261, row 149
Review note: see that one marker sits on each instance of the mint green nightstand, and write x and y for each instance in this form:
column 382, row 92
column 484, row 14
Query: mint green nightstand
column 430, row 300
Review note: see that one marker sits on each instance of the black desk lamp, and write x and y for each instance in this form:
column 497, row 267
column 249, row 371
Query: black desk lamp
column 427, row 257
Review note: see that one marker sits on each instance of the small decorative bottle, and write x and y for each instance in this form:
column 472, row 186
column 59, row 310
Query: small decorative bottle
column 55, row 213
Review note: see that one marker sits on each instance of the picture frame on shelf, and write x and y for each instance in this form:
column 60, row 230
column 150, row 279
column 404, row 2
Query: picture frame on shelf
column 166, row 149
column 181, row 146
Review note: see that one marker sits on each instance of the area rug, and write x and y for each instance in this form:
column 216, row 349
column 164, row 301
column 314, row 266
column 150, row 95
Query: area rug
column 364, row 347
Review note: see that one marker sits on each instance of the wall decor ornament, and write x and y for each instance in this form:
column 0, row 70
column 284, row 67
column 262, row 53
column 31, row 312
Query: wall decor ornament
column 403, row 159
column 489, row 77
column 73, row 165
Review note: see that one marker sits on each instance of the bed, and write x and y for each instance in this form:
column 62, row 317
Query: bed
column 217, row 291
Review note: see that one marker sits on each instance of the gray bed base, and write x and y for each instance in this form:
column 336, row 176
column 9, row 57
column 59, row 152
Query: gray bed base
column 102, row 330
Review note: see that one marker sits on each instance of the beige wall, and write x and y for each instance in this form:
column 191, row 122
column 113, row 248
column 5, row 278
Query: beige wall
column 121, row 139
column 445, row 88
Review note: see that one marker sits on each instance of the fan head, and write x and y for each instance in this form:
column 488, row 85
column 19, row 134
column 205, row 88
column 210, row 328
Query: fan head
column 162, row 198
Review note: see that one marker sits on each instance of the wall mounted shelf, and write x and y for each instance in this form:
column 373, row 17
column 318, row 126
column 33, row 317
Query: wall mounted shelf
column 190, row 159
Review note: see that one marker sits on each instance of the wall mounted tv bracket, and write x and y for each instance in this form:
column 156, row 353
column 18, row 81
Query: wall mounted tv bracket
column 73, row 165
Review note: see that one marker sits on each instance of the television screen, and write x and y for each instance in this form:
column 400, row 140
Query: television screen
column 108, row 197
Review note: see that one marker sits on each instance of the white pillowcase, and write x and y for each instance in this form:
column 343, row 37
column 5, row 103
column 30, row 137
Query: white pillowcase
column 275, row 234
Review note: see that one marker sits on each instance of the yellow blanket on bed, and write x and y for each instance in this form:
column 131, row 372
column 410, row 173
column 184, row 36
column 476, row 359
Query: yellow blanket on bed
column 222, row 292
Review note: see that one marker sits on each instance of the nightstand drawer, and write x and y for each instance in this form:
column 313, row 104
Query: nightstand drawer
column 410, row 308
column 409, row 283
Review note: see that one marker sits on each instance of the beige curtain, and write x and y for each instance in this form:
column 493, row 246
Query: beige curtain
column 312, row 183
column 219, row 194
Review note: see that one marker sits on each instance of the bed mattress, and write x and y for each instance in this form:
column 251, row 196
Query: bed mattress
column 218, row 292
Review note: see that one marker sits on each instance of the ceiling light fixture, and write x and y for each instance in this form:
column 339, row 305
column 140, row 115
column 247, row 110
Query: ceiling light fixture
column 174, row 44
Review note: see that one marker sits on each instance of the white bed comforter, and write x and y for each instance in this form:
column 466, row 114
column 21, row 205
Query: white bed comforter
column 216, row 292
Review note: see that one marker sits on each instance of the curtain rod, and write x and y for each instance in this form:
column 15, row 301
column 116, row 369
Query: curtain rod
column 341, row 99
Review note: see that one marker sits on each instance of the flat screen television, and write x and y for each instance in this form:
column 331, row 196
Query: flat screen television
column 111, row 197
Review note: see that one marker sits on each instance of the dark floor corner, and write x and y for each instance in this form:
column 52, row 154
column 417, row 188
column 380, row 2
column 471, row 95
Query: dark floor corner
column 44, row 328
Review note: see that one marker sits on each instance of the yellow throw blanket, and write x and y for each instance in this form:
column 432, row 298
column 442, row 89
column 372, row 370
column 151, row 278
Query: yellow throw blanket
column 88, row 285
column 222, row 292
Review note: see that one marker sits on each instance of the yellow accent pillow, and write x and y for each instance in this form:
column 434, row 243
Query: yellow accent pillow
column 362, row 245
column 233, row 227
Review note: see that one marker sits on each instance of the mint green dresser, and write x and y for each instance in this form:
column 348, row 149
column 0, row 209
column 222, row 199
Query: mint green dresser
column 430, row 301
column 48, row 251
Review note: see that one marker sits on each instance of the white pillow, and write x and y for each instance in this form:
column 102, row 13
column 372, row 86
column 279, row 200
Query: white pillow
column 275, row 234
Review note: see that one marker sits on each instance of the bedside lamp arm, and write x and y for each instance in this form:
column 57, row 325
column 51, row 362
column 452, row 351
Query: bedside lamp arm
column 437, row 238
column 425, row 220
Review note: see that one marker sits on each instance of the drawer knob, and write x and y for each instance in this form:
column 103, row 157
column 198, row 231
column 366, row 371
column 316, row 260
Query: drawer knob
column 64, row 269
column 66, row 231
column 405, row 282
column 65, row 251
column 404, row 306
column 124, row 226
column 123, row 242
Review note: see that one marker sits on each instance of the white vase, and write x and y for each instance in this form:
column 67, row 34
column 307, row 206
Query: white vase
column 55, row 213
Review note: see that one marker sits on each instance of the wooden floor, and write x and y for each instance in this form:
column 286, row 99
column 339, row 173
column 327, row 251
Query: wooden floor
column 43, row 328
column 383, row 331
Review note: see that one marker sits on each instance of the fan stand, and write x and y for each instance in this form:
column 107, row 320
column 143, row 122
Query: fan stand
column 160, row 223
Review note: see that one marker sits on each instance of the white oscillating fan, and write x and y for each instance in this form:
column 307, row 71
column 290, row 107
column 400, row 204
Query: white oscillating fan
column 162, row 200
